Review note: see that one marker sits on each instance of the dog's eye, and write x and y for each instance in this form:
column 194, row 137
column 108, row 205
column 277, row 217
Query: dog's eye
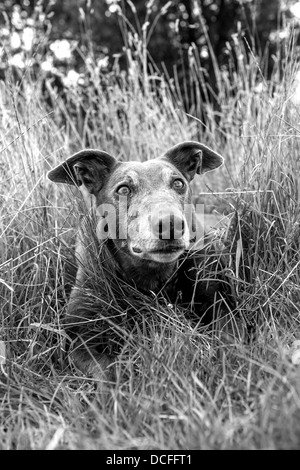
column 178, row 184
column 123, row 190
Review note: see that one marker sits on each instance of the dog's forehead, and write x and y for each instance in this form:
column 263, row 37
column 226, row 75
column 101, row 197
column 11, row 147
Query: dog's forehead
column 150, row 170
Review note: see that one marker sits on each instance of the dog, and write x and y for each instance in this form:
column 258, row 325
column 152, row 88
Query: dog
column 142, row 234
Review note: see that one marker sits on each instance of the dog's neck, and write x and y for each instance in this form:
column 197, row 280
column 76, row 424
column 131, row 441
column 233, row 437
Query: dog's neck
column 146, row 275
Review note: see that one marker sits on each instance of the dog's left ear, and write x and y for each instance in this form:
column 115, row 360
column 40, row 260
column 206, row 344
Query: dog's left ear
column 88, row 167
column 193, row 158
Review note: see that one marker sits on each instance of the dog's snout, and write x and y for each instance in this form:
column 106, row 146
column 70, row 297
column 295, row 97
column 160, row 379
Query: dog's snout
column 168, row 227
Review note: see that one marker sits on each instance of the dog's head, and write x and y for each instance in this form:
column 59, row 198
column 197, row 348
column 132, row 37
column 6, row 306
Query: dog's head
column 144, row 207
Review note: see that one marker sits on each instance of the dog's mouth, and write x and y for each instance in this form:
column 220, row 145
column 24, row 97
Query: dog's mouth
column 163, row 254
column 169, row 249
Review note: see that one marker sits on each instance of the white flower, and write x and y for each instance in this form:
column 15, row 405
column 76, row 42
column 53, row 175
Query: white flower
column 15, row 40
column 295, row 10
column 61, row 49
column 17, row 60
column 46, row 65
column 72, row 79
column 103, row 63
column 27, row 38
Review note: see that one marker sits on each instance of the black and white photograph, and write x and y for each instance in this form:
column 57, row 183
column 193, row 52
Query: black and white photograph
column 149, row 227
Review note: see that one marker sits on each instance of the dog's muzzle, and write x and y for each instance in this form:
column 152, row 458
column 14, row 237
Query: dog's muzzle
column 167, row 238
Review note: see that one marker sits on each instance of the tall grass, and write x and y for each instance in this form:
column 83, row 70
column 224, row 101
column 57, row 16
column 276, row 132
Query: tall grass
column 177, row 386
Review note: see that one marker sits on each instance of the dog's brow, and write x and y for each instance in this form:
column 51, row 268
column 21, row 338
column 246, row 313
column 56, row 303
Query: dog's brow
column 133, row 176
column 167, row 173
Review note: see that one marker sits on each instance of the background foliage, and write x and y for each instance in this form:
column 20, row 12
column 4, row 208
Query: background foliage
column 68, row 33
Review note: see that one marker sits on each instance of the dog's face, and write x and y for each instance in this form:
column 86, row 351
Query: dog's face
column 143, row 207
column 149, row 200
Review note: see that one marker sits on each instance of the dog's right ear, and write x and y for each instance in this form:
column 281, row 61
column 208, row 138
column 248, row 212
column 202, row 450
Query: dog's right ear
column 88, row 167
column 193, row 158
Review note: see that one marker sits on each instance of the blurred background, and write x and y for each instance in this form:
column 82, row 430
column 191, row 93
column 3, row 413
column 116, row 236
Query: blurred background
column 62, row 39
column 135, row 78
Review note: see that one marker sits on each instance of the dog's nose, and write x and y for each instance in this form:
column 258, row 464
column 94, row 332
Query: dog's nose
column 168, row 227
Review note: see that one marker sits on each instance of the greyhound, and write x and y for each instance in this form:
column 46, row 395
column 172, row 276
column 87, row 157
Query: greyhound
column 142, row 221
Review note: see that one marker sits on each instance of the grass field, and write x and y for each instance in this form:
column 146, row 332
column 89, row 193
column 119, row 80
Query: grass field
column 177, row 387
